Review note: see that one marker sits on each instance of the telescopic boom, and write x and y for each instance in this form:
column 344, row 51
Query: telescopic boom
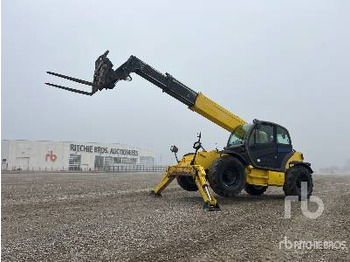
column 106, row 78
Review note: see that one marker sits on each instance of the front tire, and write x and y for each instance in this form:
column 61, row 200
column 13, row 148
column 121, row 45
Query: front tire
column 227, row 176
column 293, row 179
column 255, row 190
column 187, row 183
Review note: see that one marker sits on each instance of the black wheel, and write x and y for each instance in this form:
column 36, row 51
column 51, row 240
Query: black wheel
column 294, row 177
column 187, row 183
column 255, row 190
column 226, row 176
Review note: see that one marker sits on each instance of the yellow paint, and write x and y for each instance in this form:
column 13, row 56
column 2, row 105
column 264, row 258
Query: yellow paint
column 197, row 172
column 276, row 178
column 262, row 177
column 256, row 176
column 206, row 158
column 216, row 113
column 297, row 156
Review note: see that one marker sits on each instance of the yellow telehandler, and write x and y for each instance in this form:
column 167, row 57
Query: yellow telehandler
column 257, row 154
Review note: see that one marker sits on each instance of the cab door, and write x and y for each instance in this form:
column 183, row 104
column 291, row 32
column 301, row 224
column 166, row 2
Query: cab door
column 284, row 146
column 262, row 146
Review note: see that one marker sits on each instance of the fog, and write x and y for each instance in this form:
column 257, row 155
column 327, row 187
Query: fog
column 286, row 62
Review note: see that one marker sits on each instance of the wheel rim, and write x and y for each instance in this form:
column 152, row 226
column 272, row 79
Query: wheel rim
column 229, row 177
column 191, row 181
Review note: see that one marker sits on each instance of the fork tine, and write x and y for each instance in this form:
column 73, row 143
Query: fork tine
column 84, row 82
column 71, row 89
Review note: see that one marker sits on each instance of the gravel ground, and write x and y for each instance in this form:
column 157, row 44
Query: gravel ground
column 112, row 217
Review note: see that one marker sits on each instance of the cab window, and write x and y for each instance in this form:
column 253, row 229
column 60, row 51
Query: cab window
column 262, row 135
column 282, row 136
column 238, row 135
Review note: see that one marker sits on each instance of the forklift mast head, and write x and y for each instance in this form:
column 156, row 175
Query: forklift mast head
column 104, row 75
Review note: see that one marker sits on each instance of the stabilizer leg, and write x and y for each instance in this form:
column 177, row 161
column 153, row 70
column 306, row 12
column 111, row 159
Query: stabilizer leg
column 198, row 173
column 211, row 203
column 166, row 180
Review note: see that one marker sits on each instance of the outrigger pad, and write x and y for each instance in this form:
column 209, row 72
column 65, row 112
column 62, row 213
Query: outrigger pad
column 209, row 207
column 155, row 194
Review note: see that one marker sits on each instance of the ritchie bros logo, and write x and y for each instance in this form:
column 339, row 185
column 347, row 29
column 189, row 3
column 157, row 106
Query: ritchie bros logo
column 51, row 156
column 102, row 150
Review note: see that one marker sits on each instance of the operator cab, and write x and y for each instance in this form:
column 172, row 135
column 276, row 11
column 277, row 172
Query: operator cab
column 263, row 144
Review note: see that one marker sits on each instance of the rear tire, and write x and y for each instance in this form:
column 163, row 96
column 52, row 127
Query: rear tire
column 227, row 176
column 187, row 183
column 255, row 190
column 293, row 178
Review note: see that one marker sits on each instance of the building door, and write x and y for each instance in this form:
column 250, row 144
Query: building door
column 4, row 164
column 74, row 162
column 22, row 163
column 99, row 162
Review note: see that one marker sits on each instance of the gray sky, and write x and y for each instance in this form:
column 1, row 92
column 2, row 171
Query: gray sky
column 282, row 61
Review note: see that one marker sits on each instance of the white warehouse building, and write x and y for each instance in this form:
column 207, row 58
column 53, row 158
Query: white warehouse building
column 60, row 156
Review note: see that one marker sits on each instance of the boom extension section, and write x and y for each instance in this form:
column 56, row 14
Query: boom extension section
column 106, row 78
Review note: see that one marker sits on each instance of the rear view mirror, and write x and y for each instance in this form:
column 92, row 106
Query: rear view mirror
column 174, row 149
